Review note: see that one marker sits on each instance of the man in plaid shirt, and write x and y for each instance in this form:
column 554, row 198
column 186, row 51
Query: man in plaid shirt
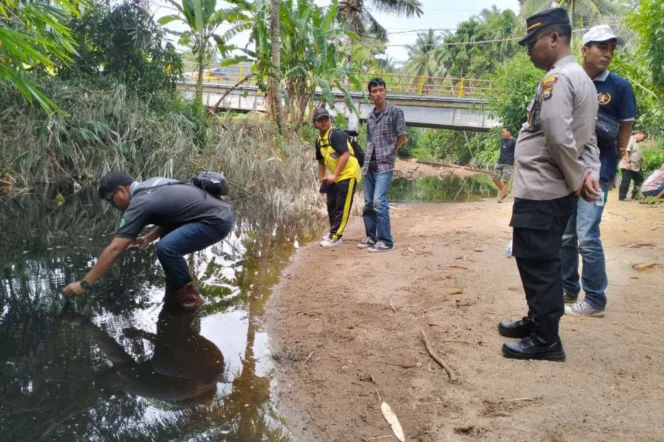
column 386, row 132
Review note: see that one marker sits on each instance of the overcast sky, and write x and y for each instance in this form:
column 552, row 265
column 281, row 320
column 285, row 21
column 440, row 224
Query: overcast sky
column 438, row 14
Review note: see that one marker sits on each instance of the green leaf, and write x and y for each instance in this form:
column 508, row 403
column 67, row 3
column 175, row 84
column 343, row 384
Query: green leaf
column 168, row 19
column 326, row 90
column 235, row 60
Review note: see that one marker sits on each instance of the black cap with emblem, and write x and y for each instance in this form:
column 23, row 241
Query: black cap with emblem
column 535, row 23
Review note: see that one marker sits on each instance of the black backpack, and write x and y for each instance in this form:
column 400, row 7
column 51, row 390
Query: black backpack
column 214, row 183
column 359, row 152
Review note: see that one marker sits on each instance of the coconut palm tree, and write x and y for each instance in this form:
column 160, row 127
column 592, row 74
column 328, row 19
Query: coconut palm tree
column 355, row 14
column 581, row 12
column 424, row 56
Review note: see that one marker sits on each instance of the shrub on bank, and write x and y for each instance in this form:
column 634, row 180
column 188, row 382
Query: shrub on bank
column 653, row 158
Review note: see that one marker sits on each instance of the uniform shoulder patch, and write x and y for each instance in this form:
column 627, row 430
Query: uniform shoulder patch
column 547, row 86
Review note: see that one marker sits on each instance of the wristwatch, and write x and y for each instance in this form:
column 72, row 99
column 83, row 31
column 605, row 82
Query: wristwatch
column 84, row 284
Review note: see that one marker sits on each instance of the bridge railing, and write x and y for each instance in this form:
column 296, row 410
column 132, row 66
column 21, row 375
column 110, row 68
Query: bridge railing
column 418, row 85
column 432, row 86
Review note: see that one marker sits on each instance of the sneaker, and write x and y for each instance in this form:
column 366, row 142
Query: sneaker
column 582, row 308
column 380, row 246
column 569, row 298
column 366, row 243
column 329, row 242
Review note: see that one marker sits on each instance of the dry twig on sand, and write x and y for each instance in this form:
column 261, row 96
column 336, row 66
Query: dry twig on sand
column 437, row 358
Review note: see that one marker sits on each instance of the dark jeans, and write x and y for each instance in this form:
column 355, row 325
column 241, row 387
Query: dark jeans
column 339, row 202
column 538, row 231
column 186, row 239
column 627, row 177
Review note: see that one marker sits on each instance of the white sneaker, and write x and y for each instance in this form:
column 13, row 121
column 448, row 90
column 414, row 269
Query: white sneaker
column 379, row 247
column 582, row 308
column 366, row 243
column 329, row 242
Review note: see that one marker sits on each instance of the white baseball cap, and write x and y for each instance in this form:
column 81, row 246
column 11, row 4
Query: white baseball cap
column 601, row 33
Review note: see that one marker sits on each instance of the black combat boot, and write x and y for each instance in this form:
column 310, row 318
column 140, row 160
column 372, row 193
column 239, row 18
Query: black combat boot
column 517, row 329
column 534, row 347
column 543, row 343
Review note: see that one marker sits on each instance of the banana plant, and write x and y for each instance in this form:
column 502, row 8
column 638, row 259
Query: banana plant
column 312, row 54
column 203, row 21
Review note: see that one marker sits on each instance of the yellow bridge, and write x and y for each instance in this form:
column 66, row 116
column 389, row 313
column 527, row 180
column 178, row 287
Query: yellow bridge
column 414, row 85
column 449, row 103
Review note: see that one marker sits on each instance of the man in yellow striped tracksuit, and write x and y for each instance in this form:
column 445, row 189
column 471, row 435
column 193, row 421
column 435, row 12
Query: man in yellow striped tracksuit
column 335, row 153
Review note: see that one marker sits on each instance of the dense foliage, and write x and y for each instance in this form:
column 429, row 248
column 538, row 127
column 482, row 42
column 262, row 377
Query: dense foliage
column 517, row 80
column 646, row 65
column 203, row 20
column 122, row 44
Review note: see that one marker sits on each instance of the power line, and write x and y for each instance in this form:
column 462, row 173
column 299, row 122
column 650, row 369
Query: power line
column 410, row 31
column 466, row 43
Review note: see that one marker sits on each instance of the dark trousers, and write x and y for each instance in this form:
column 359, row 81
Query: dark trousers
column 186, row 239
column 339, row 202
column 538, row 231
column 627, row 177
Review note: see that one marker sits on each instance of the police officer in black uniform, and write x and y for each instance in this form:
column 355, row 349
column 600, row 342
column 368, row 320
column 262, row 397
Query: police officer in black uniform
column 557, row 160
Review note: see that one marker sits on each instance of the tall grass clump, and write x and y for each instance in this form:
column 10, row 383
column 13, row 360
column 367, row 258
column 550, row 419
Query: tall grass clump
column 98, row 130
column 158, row 135
column 274, row 172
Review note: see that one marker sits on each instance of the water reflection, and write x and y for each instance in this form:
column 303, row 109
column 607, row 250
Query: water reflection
column 437, row 189
column 184, row 367
column 114, row 365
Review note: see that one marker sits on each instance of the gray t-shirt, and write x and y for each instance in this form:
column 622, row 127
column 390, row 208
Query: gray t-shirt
column 170, row 206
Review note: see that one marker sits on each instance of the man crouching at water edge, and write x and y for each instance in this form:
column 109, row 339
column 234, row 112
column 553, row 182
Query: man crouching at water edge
column 186, row 218
column 335, row 153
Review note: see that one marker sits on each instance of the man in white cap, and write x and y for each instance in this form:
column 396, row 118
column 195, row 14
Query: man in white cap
column 617, row 110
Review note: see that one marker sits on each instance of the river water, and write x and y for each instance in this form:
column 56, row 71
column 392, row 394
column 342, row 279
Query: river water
column 114, row 364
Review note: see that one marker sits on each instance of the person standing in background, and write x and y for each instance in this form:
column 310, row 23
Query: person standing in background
column 502, row 171
column 617, row 110
column 386, row 133
column 335, row 153
column 630, row 167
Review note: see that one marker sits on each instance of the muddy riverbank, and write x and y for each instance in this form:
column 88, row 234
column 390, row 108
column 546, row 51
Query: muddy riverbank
column 345, row 330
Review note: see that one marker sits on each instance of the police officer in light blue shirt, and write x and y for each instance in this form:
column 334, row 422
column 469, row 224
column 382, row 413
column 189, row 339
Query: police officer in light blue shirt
column 617, row 110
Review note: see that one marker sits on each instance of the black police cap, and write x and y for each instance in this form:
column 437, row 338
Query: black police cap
column 535, row 23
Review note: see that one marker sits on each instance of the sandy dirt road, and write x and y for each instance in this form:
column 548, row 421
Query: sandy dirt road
column 345, row 327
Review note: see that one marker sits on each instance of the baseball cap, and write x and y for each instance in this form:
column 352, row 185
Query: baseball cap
column 534, row 23
column 601, row 33
column 321, row 112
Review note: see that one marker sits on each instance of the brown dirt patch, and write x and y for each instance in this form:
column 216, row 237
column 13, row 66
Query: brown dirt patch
column 346, row 324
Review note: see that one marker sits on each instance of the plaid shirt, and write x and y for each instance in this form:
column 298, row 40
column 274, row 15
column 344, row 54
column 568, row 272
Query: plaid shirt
column 383, row 130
